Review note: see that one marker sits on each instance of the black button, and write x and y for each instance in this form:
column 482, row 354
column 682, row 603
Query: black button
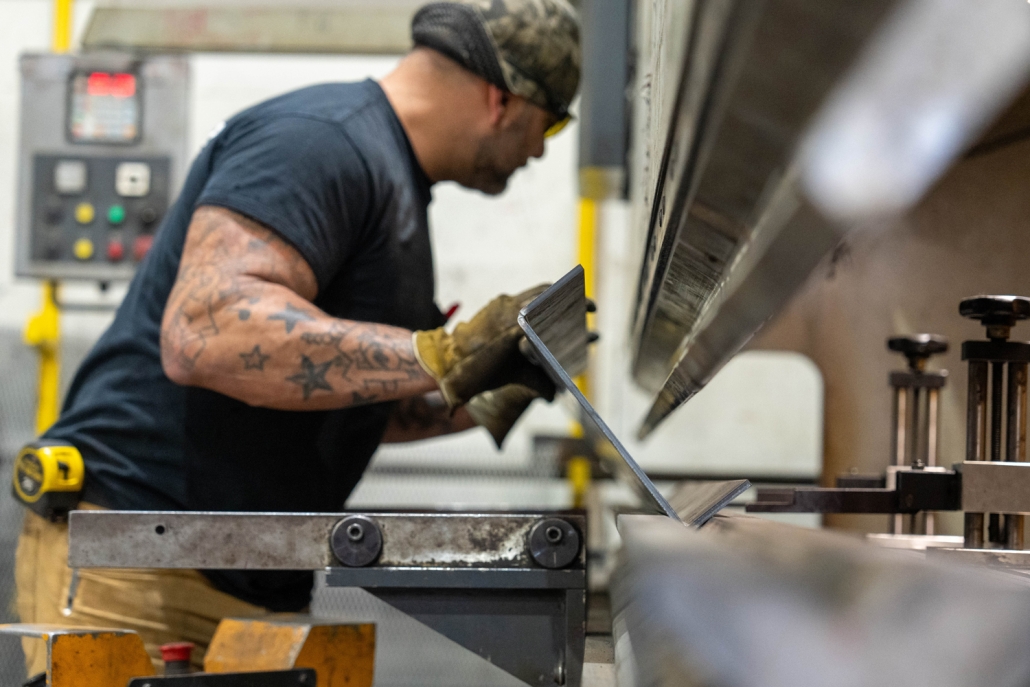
column 54, row 213
column 148, row 215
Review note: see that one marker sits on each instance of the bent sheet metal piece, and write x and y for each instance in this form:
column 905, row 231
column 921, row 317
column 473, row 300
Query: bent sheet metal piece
column 555, row 325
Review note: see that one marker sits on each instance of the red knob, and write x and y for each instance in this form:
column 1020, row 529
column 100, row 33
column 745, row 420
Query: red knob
column 115, row 251
column 176, row 652
column 141, row 246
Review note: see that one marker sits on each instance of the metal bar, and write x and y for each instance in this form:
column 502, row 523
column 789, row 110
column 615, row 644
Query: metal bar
column 1015, row 443
column 997, row 408
column 361, row 28
column 973, row 534
column 901, row 404
column 976, row 440
column 819, row 500
column 900, row 425
column 297, row 677
column 396, row 577
column 1016, row 440
column 674, row 588
column 932, row 422
column 996, row 487
column 914, row 418
column 297, row 541
column 976, row 416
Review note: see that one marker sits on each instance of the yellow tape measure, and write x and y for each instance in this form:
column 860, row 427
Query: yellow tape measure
column 48, row 478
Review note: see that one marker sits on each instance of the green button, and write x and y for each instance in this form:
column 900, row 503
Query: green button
column 116, row 214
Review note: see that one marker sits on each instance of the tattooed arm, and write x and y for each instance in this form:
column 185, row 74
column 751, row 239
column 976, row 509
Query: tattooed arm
column 424, row 417
column 240, row 321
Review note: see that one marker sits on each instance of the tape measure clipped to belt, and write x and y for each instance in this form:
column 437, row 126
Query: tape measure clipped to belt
column 48, row 478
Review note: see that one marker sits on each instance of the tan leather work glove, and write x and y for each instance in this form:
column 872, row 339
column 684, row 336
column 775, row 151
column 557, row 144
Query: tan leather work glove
column 483, row 353
column 499, row 409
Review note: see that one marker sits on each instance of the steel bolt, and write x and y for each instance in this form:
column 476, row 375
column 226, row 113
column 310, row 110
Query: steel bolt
column 553, row 543
column 356, row 541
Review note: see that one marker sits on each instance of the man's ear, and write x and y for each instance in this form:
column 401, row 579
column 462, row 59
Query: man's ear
column 498, row 101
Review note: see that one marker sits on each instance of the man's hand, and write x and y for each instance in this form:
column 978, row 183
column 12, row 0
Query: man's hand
column 424, row 417
column 482, row 354
column 240, row 321
column 499, row 409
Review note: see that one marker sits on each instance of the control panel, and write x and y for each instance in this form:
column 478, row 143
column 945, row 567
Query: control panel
column 103, row 151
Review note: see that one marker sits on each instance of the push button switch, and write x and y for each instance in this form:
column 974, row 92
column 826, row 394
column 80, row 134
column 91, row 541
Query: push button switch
column 53, row 214
column 115, row 251
column 70, row 177
column 116, row 214
column 84, row 213
column 141, row 246
column 148, row 215
column 132, row 179
column 83, row 249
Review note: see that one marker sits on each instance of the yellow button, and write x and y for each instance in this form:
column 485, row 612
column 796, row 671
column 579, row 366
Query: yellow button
column 83, row 249
column 84, row 213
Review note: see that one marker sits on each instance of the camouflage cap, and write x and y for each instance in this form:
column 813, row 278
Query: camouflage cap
column 527, row 47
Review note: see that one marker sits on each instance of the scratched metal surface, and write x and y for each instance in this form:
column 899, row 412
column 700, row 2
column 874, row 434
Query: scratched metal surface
column 794, row 122
column 291, row 541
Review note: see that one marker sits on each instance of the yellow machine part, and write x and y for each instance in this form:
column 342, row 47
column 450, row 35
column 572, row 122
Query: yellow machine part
column 88, row 657
column 342, row 655
column 96, row 659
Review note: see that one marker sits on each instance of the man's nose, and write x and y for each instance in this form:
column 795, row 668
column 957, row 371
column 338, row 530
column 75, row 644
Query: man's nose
column 538, row 148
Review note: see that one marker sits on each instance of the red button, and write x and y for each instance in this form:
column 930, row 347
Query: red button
column 176, row 652
column 115, row 251
column 141, row 246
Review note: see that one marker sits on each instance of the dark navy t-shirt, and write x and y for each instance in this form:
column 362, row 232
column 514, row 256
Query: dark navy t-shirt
column 330, row 169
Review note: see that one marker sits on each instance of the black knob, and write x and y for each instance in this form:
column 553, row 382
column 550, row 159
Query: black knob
column 998, row 313
column 148, row 215
column 918, row 348
column 356, row 541
column 54, row 213
column 553, row 543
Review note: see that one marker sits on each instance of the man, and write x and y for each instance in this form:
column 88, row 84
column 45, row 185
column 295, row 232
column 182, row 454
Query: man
column 284, row 323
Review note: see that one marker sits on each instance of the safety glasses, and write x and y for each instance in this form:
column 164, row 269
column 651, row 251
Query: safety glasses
column 558, row 126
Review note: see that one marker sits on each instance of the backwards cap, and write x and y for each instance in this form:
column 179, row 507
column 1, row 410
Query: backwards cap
column 526, row 47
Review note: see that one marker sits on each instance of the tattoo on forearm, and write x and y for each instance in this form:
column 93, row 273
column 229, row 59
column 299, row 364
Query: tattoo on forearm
column 234, row 271
column 362, row 399
column 311, row 376
column 254, row 359
column 209, row 280
column 291, row 316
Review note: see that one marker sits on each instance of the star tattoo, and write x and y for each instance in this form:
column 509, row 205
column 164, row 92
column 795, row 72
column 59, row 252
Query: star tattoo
column 291, row 316
column 311, row 376
column 255, row 360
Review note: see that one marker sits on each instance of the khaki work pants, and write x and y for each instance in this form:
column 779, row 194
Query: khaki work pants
column 161, row 605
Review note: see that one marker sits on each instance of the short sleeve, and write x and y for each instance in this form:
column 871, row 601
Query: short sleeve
column 299, row 176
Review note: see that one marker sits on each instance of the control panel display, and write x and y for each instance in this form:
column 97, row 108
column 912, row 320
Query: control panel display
column 102, row 155
column 104, row 108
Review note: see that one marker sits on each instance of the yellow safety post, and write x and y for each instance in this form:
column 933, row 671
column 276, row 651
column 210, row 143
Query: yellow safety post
column 587, row 255
column 62, row 36
column 43, row 330
column 578, row 468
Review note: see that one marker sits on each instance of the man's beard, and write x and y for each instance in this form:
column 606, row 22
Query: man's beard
column 489, row 175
